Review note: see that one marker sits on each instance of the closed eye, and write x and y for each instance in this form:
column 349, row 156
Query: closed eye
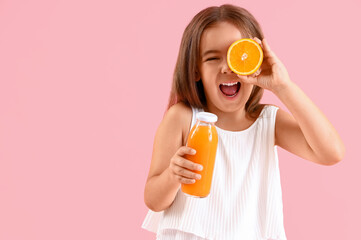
column 210, row 59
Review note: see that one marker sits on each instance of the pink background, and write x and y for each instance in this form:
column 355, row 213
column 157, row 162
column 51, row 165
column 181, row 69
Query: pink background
column 83, row 88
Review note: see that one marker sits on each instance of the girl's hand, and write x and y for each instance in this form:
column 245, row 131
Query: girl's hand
column 181, row 168
column 272, row 74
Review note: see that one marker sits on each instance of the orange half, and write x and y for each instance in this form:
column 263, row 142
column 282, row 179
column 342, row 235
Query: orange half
column 244, row 56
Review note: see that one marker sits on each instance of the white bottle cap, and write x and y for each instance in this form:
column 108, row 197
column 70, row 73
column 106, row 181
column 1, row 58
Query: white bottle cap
column 207, row 117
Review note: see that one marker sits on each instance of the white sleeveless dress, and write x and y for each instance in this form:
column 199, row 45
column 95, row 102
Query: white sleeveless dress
column 245, row 202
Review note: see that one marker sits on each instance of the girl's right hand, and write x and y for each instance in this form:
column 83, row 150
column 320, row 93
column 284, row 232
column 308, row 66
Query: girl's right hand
column 181, row 168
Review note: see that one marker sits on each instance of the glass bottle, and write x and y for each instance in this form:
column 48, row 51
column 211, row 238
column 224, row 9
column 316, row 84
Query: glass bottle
column 203, row 138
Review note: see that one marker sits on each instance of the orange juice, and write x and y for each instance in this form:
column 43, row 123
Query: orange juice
column 204, row 139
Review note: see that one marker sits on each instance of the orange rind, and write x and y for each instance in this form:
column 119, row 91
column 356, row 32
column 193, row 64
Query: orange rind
column 244, row 56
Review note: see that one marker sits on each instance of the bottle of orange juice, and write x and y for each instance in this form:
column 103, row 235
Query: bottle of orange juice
column 204, row 139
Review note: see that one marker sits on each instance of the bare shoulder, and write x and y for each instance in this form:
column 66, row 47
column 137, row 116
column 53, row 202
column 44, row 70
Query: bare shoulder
column 173, row 122
column 169, row 137
column 179, row 114
column 179, row 111
column 180, row 117
column 289, row 136
column 283, row 117
column 281, row 114
column 284, row 120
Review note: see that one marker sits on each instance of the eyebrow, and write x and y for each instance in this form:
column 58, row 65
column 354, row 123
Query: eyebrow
column 210, row 51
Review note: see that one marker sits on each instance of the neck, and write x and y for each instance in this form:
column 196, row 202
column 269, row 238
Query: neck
column 229, row 120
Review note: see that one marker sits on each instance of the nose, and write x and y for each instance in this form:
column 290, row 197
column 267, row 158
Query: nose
column 225, row 68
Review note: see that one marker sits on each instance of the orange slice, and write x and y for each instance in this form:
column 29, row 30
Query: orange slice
column 244, row 56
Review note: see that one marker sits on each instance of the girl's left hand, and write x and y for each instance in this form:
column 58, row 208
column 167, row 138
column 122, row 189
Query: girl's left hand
column 272, row 74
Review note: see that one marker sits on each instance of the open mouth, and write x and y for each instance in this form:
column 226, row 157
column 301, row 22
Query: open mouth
column 230, row 89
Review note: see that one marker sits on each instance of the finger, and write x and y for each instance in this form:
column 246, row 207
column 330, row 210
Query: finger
column 185, row 163
column 258, row 72
column 186, row 150
column 254, row 75
column 185, row 180
column 185, row 173
column 268, row 53
column 247, row 79
column 258, row 40
column 266, row 45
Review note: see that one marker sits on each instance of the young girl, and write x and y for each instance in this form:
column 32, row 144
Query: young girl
column 246, row 199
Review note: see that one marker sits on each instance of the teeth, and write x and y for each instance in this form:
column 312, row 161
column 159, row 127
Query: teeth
column 229, row 84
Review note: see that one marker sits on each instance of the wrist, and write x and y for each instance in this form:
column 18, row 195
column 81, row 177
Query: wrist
column 281, row 88
column 171, row 177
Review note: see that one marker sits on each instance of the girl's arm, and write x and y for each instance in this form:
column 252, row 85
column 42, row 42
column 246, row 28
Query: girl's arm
column 168, row 168
column 307, row 132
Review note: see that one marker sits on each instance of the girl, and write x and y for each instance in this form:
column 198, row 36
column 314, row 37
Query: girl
column 246, row 200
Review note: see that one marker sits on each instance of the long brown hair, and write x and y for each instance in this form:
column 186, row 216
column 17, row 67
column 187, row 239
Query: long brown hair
column 184, row 87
